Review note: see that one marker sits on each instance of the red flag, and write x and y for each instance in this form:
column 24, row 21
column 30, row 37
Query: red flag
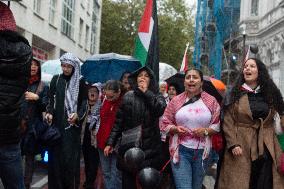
column 247, row 55
column 184, row 64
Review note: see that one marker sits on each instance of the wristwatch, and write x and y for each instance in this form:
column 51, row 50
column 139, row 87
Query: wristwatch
column 206, row 132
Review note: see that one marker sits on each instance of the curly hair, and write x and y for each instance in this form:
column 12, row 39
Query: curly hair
column 271, row 93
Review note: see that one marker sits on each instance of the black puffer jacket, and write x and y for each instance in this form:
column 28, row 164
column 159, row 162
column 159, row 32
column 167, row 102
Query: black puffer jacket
column 15, row 64
column 146, row 108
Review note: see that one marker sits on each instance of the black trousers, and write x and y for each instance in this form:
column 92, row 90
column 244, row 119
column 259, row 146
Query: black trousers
column 91, row 160
column 29, row 169
column 261, row 172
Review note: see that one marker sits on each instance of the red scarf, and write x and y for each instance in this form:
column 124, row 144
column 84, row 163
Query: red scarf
column 33, row 79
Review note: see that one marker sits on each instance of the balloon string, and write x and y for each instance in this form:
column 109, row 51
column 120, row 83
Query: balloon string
column 168, row 161
column 194, row 157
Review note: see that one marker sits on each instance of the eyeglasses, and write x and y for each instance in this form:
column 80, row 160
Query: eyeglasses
column 111, row 96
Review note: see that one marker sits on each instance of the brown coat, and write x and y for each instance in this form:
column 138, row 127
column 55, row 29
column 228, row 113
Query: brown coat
column 240, row 129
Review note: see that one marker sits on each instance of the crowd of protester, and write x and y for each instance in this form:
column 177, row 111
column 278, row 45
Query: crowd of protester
column 138, row 132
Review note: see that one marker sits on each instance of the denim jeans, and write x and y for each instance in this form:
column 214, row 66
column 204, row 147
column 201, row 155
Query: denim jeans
column 112, row 176
column 11, row 168
column 189, row 172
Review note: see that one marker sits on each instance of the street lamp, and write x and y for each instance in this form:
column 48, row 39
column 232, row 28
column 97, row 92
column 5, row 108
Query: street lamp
column 244, row 44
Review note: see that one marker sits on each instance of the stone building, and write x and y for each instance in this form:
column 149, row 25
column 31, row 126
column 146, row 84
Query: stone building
column 54, row 27
column 263, row 23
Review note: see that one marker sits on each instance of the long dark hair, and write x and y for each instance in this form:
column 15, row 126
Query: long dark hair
column 271, row 93
column 37, row 62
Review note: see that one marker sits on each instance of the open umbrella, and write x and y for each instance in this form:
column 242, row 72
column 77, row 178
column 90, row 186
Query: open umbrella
column 103, row 67
column 45, row 77
column 52, row 67
column 166, row 71
column 211, row 85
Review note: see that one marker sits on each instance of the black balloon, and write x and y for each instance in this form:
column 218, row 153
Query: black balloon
column 254, row 49
column 133, row 157
column 149, row 178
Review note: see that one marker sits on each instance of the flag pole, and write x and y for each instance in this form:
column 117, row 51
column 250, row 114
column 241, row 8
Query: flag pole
column 184, row 62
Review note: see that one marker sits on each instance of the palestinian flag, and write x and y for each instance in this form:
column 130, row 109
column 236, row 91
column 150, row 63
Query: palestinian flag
column 146, row 43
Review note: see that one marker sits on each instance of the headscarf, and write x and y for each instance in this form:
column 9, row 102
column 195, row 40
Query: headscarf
column 94, row 117
column 72, row 92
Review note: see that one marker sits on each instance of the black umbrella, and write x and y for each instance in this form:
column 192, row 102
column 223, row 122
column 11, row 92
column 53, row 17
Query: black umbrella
column 178, row 79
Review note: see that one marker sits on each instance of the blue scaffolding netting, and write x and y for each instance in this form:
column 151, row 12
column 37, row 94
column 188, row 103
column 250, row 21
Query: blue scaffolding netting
column 216, row 21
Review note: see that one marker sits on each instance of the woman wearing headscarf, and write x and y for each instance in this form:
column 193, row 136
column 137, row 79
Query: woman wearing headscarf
column 64, row 159
column 34, row 104
column 90, row 121
column 141, row 106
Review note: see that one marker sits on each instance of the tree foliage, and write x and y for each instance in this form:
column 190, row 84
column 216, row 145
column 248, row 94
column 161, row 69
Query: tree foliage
column 121, row 18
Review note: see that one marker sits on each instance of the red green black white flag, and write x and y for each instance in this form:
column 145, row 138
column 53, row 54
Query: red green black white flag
column 147, row 41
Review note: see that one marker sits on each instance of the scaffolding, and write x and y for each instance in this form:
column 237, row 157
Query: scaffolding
column 216, row 22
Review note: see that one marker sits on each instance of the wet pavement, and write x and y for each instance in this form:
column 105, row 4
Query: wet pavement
column 40, row 178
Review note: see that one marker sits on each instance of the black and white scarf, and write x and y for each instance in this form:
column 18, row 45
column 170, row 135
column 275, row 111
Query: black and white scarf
column 72, row 91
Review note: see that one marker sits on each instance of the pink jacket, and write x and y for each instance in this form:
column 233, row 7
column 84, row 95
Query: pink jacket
column 168, row 121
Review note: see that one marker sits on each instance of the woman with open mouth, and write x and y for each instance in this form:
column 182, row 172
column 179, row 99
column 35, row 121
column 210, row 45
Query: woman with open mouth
column 190, row 119
column 252, row 153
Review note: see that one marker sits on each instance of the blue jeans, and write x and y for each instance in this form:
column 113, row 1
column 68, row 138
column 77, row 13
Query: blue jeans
column 112, row 176
column 11, row 168
column 189, row 172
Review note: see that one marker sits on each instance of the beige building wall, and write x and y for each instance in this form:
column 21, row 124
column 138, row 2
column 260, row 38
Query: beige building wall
column 263, row 21
column 40, row 21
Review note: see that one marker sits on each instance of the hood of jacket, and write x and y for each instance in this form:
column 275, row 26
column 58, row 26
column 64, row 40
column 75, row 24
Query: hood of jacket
column 153, row 85
column 15, row 55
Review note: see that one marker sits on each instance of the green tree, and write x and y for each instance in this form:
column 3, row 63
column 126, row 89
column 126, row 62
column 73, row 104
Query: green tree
column 121, row 18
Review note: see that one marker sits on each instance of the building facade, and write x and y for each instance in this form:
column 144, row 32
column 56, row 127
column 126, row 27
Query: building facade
column 54, row 27
column 263, row 22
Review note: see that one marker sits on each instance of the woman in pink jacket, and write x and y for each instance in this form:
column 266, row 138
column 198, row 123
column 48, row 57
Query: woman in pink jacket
column 190, row 119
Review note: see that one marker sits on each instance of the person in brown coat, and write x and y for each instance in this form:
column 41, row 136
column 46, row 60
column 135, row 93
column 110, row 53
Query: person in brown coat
column 252, row 151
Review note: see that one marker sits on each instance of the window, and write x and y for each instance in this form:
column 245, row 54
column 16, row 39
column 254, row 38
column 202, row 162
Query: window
column 87, row 37
column 96, row 6
column 37, row 6
column 67, row 22
column 52, row 11
column 254, row 8
column 93, row 33
column 88, row 5
column 81, row 31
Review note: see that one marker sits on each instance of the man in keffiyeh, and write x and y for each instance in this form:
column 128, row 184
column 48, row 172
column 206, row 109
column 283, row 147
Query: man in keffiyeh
column 65, row 97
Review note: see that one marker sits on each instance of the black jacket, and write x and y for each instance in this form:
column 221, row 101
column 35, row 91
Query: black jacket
column 31, row 111
column 15, row 64
column 142, row 108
